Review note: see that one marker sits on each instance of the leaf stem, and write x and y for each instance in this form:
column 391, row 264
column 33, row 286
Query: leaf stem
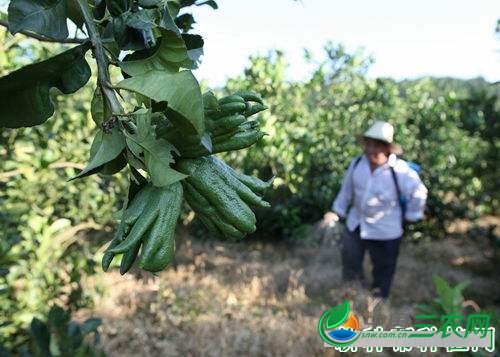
column 100, row 57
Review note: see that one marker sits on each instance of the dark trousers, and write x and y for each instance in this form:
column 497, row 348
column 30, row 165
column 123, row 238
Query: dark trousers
column 383, row 254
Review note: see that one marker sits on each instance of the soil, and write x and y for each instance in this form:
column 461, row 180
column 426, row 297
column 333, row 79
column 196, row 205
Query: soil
column 265, row 299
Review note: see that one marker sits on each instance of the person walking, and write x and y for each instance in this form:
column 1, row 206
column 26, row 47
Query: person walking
column 379, row 193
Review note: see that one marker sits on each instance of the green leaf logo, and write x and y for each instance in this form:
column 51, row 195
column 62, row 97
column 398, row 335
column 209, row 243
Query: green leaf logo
column 332, row 326
column 337, row 315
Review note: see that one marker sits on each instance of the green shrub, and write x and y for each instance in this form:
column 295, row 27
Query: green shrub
column 43, row 255
column 448, row 126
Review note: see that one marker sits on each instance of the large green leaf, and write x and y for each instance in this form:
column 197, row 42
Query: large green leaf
column 105, row 148
column 74, row 13
column 170, row 54
column 194, row 45
column 45, row 17
column 25, row 92
column 180, row 90
column 157, row 152
column 128, row 37
column 167, row 20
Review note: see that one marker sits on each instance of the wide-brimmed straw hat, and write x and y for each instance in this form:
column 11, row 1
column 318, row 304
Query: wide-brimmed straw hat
column 383, row 131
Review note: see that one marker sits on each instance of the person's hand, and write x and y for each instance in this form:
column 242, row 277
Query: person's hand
column 330, row 218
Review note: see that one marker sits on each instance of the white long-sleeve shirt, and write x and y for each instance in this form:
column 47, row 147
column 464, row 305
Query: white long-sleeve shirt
column 375, row 204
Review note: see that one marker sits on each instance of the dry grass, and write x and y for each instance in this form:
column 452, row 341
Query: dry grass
column 226, row 299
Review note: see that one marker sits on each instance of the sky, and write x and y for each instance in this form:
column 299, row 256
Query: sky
column 407, row 39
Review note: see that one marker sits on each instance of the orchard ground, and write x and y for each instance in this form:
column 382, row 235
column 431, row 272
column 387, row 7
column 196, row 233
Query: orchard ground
column 258, row 298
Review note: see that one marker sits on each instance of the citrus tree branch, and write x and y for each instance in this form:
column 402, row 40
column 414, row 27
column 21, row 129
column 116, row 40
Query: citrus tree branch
column 43, row 38
column 100, row 57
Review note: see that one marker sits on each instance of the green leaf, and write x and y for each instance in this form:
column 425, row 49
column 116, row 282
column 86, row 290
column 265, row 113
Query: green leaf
column 461, row 286
column 105, row 148
column 25, row 92
column 149, row 3
column 450, row 298
column 41, row 336
column 134, row 161
column 114, row 166
column 173, row 8
column 157, row 152
column 98, row 108
column 185, row 22
column 128, row 38
column 210, row 3
column 45, row 17
column 57, row 318
column 158, row 157
column 74, row 13
column 167, row 21
column 210, row 101
column 141, row 20
column 118, row 7
column 99, row 9
column 180, row 90
column 170, row 54
column 194, row 44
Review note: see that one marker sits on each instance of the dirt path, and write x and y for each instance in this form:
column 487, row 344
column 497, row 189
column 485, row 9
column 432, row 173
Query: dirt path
column 226, row 299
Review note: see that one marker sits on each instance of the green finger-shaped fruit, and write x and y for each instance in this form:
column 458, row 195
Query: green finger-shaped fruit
column 129, row 257
column 225, row 124
column 195, row 151
column 209, row 224
column 243, row 136
column 201, row 205
column 254, row 183
column 107, row 258
column 226, row 109
column 233, row 98
column 254, row 108
column 250, row 96
column 140, row 227
column 223, row 198
column 158, row 248
column 223, row 137
column 238, row 141
column 248, row 126
column 246, row 194
column 222, row 228
column 138, row 205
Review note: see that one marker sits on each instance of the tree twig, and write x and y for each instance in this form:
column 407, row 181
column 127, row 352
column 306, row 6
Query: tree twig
column 43, row 38
column 64, row 165
column 5, row 176
column 100, row 57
